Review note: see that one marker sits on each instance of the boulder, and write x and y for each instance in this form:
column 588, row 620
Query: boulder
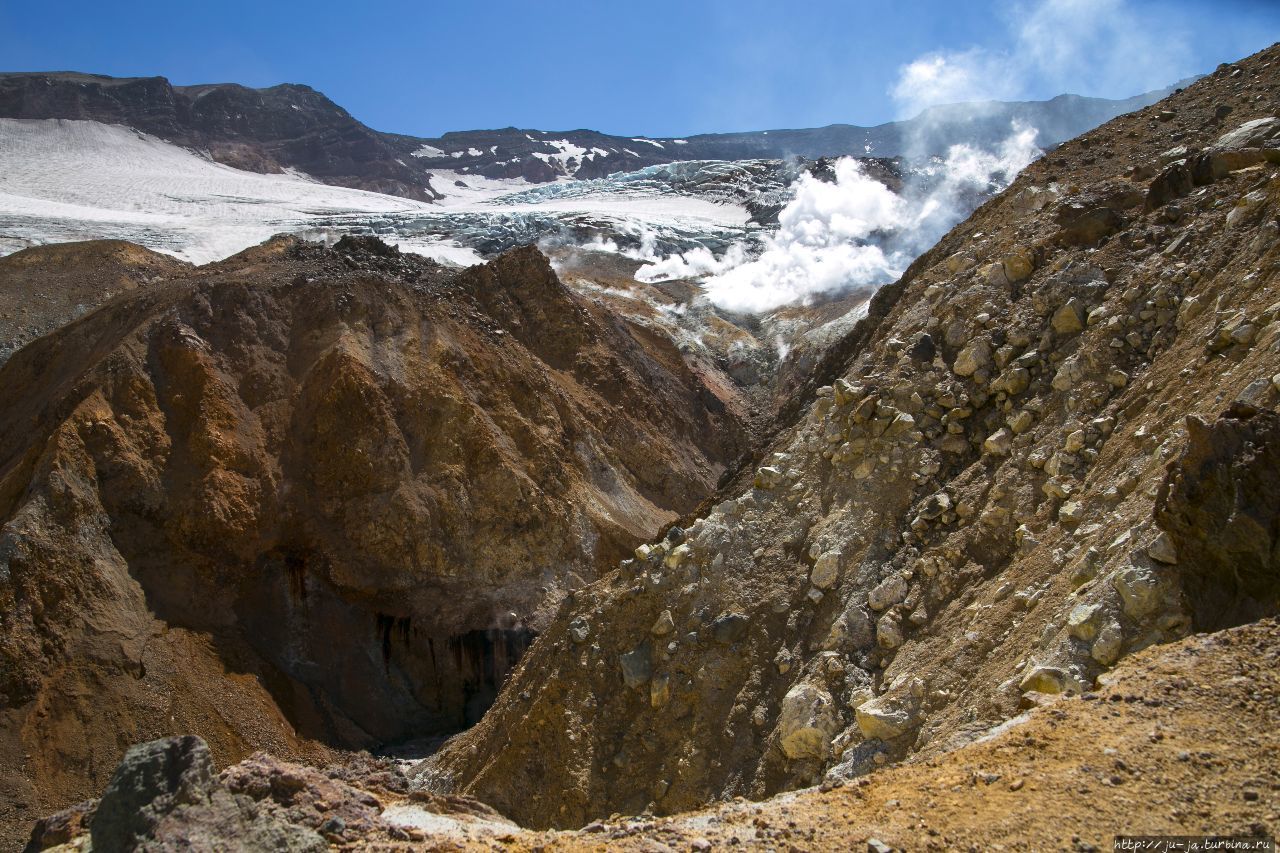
column 1219, row 503
column 1079, row 225
column 1259, row 133
column 888, row 592
column 999, row 443
column 826, row 570
column 974, row 357
column 1069, row 318
column 1173, row 183
column 887, row 717
column 807, row 722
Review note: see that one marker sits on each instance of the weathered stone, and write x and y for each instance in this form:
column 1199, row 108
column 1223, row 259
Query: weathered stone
column 1069, row 374
column 999, row 443
column 1106, row 648
column 826, row 570
column 924, row 349
column 664, row 624
column 1139, row 592
column 1079, row 225
column 1013, row 381
column 1069, row 319
column 659, row 690
column 1018, row 266
column 729, row 628
column 676, row 557
column 1174, row 182
column 579, row 630
column 1071, row 513
column 887, row 717
column 976, row 356
column 1020, row 422
column 637, row 666
column 1257, row 133
column 807, row 722
column 1043, row 679
column 1083, row 621
column 888, row 592
column 151, row 780
column 768, row 477
column 1162, row 550
column 901, row 424
column 889, row 632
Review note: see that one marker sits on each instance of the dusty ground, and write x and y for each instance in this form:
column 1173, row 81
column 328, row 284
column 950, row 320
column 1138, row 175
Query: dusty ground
column 1181, row 740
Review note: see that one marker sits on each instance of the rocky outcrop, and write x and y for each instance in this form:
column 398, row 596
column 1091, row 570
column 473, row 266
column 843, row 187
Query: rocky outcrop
column 289, row 126
column 316, row 496
column 165, row 795
column 1220, row 508
column 961, row 518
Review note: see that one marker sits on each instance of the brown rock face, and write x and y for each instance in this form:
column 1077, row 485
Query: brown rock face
column 1220, row 504
column 310, row 493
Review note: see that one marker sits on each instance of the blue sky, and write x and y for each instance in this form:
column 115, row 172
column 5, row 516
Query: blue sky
column 656, row 67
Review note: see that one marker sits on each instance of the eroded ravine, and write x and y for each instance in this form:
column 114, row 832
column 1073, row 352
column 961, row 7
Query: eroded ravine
column 311, row 498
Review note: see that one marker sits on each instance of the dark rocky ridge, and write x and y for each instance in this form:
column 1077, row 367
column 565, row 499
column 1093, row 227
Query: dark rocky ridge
column 294, row 126
column 259, row 130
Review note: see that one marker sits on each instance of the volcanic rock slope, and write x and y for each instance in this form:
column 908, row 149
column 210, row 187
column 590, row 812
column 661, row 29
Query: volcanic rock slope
column 1052, row 444
column 316, row 495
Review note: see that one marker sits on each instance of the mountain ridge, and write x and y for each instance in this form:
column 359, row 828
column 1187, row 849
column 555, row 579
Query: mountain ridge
column 294, row 126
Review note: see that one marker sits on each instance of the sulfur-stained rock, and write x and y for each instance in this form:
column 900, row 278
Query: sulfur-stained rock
column 807, row 722
column 664, row 625
column 1068, row 319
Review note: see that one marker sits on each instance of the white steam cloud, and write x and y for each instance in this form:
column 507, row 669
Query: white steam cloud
column 854, row 231
column 1087, row 47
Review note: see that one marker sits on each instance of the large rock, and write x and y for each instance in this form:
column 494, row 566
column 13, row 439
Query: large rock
column 151, row 780
column 1220, row 506
column 163, row 796
column 1079, row 225
column 807, row 722
column 889, row 716
column 1173, row 183
column 1258, row 133
column 974, row 357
